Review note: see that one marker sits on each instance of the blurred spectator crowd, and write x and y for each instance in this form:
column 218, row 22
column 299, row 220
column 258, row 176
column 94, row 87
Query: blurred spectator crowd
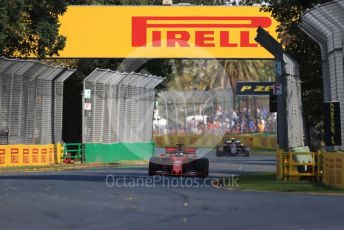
column 246, row 120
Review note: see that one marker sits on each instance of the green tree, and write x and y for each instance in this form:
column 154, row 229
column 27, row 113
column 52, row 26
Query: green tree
column 211, row 74
column 248, row 70
column 145, row 2
column 30, row 27
column 94, row 2
column 199, row 2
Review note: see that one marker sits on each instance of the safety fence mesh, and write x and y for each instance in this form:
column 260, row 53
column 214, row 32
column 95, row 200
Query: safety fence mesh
column 214, row 112
column 31, row 101
column 118, row 107
column 325, row 24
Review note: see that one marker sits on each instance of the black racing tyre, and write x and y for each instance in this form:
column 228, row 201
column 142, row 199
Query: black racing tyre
column 153, row 167
column 240, row 151
column 202, row 166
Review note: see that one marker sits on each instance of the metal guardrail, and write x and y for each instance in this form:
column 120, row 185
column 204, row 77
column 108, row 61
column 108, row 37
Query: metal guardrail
column 73, row 151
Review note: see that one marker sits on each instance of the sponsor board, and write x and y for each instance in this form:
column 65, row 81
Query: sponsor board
column 332, row 124
column 254, row 88
column 164, row 32
column 2, row 157
column 14, row 156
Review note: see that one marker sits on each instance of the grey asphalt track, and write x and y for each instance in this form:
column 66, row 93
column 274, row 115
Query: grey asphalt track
column 126, row 198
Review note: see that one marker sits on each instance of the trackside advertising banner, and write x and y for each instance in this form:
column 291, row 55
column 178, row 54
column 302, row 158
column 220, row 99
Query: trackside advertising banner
column 164, row 32
column 254, row 88
column 333, row 135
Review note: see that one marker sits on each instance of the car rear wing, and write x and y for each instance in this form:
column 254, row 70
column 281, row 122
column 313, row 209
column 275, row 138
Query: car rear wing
column 185, row 150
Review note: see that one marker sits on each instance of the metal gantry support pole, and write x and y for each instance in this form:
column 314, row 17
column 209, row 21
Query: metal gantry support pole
column 275, row 48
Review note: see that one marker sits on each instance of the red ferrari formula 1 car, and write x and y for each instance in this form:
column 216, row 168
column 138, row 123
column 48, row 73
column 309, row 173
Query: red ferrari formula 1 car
column 179, row 161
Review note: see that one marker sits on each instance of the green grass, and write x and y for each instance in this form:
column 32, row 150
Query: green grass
column 265, row 152
column 268, row 182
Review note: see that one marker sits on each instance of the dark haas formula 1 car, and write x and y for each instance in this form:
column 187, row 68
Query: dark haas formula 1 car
column 232, row 148
column 179, row 161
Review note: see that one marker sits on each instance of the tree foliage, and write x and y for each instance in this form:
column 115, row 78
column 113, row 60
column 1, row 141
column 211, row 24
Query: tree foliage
column 30, row 27
column 146, row 2
column 205, row 74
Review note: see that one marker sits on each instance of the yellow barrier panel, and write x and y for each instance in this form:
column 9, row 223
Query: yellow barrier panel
column 59, row 149
column 210, row 141
column 26, row 155
column 279, row 164
column 256, row 142
column 44, row 155
column 4, row 156
column 51, row 153
column 294, row 165
column 333, row 171
column 35, row 155
column 16, row 155
column 274, row 142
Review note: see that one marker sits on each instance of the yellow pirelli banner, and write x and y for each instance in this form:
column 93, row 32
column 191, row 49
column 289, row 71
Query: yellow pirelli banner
column 164, row 32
